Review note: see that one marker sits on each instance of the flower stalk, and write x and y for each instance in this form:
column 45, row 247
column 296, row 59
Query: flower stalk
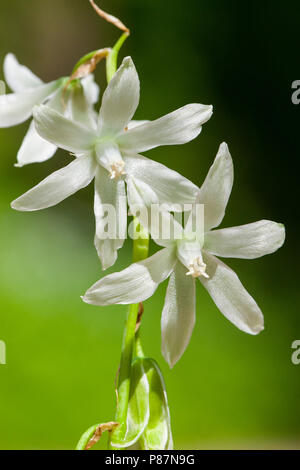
column 131, row 338
column 140, row 252
column 112, row 57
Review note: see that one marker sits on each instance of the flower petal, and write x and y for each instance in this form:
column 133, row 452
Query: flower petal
column 171, row 189
column 108, row 154
column 17, row 107
column 139, row 194
column 135, row 123
column 58, row 186
column 111, row 217
column 91, row 89
column 61, row 131
column 246, row 241
column 81, row 109
column 134, row 284
column 175, row 128
column 216, row 189
column 34, row 148
column 231, row 297
column 187, row 251
column 178, row 316
column 120, row 99
column 18, row 77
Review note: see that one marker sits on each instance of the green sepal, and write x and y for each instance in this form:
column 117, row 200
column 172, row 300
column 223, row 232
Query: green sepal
column 148, row 418
column 138, row 409
column 158, row 433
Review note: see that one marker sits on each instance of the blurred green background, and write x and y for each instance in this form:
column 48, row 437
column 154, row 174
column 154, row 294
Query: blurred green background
column 229, row 390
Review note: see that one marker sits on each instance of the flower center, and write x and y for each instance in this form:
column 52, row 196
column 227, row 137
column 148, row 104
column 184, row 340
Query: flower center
column 197, row 268
column 117, row 170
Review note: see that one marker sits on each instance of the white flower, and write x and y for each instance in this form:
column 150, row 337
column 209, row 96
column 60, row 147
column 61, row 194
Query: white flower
column 76, row 101
column 110, row 155
column 191, row 256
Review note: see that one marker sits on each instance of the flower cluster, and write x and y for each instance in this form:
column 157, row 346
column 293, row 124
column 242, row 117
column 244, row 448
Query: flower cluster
column 107, row 150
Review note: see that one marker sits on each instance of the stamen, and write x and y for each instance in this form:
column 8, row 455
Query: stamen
column 117, row 170
column 197, row 268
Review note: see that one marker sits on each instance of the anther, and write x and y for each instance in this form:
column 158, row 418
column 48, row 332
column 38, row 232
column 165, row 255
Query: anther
column 117, row 170
column 197, row 268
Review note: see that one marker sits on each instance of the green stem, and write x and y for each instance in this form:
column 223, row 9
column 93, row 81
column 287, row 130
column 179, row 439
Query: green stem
column 140, row 252
column 112, row 59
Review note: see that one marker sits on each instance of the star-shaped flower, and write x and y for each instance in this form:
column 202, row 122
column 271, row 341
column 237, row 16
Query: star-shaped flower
column 190, row 255
column 110, row 154
column 76, row 101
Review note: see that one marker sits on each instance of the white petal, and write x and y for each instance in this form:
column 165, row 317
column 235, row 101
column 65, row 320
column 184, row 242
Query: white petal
column 216, row 189
column 140, row 194
column 61, row 131
column 120, row 99
column 107, row 252
column 111, row 221
column 134, row 284
column 170, row 188
column 34, row 148
column 108, row 153
column 58, row 186
column 91, row 89
column 81, row 109
column 175, row 128
column 18, row 77
column 246, row 241
column 178, row 316
column 134, row 123
column 188, row 251
column 231, row 297
column 17, row 107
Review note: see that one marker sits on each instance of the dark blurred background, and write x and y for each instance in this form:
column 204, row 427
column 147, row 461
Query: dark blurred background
column 229, row 390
